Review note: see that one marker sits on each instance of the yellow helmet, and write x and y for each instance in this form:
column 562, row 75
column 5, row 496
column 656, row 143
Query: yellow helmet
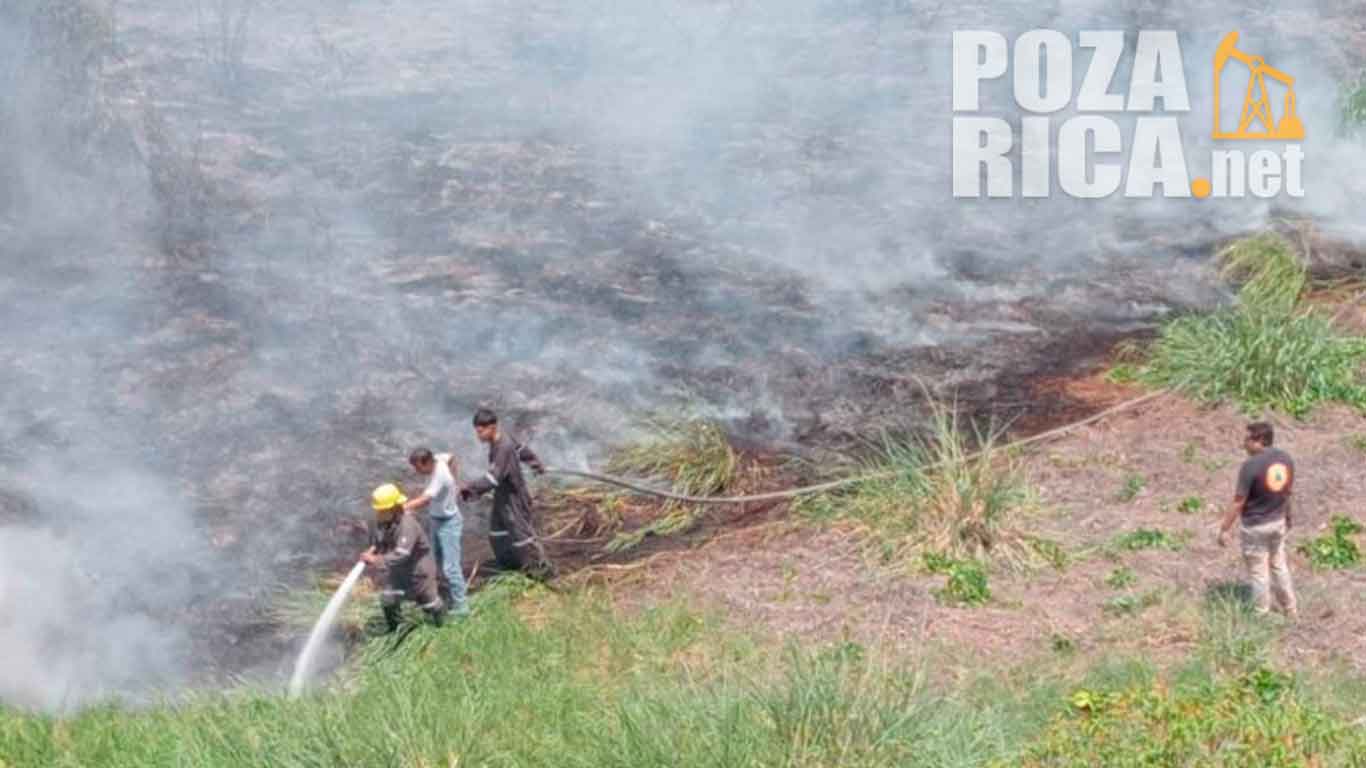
column 385, row 498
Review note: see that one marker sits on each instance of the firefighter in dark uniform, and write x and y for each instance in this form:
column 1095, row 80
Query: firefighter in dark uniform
column 512, row 530
column 401, row 547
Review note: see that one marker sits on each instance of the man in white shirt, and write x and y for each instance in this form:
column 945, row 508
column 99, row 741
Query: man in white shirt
column 440, row 499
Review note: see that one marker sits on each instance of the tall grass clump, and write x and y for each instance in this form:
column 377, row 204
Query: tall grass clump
column 1268, row 351
column 693, row 455
column 951, row 493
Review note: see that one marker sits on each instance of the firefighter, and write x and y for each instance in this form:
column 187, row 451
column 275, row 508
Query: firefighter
column 400, row 546
column 512, row 532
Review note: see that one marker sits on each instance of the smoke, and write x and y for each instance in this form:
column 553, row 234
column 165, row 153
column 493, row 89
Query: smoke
column 256, row 252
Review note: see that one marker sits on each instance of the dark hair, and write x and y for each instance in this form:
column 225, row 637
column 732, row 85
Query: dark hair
column 1262, row 432
column 485, row 418
column 420, row 456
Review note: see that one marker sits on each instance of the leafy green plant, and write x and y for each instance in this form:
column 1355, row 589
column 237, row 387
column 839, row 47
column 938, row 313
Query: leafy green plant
column 966, row 584
column 1191, row 505
column 1148, row 538
column 1133, row 485
column 1262, row 717
column 1336, row 549
column 1122, row 577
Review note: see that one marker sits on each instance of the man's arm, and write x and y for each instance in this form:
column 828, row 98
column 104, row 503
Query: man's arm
column 531, row 459
column 498, row 469
column 1235, row 511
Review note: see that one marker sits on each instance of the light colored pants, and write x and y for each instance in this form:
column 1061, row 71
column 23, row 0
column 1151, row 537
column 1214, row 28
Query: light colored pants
column 1264, row 556
column 446, row 546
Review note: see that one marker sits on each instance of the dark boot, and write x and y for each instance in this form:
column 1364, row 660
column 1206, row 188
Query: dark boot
column 437, row 615
column 391, row 617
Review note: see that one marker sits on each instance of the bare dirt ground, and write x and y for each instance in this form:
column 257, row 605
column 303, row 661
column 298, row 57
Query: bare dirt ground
column 787, row 579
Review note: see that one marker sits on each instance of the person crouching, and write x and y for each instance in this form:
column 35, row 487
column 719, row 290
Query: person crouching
column 400, row 546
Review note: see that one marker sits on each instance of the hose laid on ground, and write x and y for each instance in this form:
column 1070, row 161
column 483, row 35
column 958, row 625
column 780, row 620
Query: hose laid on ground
column 834, row 484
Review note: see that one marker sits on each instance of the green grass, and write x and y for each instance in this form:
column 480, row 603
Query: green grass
column 1130, row 604
column 565, row 681
column 1357, row 442
column 1122, row 577
column 1267, row 352
column 1133, row 485
column 1190, row 505
column 1353, row 106
column 1148, row 538
column 1289, row 363
column 693, row 455
column 536, row 678
column 966, row 584
column 1271, row 275
column 952, row 493
column 1336, row 549
column 1261, row 717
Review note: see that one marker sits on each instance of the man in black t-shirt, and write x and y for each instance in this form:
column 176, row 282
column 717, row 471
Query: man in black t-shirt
column 1261, row 504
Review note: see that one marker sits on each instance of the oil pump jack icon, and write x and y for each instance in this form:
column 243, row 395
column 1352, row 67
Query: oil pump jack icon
column 1256, row 105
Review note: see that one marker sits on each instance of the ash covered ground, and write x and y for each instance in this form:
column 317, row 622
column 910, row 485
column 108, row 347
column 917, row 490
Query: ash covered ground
column 255, row 252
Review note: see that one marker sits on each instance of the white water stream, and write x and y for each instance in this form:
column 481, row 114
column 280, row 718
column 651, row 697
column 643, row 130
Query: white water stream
column 303, row 667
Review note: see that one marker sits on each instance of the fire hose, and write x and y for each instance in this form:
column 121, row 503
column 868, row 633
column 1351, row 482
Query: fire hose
column 631, row 485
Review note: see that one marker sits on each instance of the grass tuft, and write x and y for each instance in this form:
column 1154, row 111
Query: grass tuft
column 1133, row 485
column 1271, row 275
column 947, row 494
column 693, row 455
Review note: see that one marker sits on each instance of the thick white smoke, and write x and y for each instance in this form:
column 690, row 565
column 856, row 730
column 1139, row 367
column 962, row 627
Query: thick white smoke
column 254, row 252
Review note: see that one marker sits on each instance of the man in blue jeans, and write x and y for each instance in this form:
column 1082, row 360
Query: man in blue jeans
column 439, row 498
